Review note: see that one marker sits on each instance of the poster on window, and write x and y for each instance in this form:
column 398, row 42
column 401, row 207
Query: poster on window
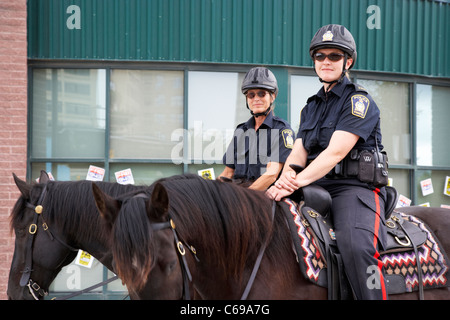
column 426, row 204
column 124, row 177
column 95, row 173
column 207, row 174
column 447, row 186
column 84, row 259
column 403, row 201
column 426, row 186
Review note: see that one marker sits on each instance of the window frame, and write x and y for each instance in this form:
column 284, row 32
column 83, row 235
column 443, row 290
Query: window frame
column 284, row 74
column 106, row 160
column 412, row 80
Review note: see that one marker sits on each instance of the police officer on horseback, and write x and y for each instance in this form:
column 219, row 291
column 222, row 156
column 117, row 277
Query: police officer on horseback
column 261, row 145
column 339, row 144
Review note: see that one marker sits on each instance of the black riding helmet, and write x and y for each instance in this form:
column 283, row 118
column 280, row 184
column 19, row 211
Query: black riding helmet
column 260, row 78
column 334, row 36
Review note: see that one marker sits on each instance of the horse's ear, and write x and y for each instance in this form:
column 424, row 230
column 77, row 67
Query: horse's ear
column 106, row 205
column 44, row 178
column 24, row 187
column 160, row 200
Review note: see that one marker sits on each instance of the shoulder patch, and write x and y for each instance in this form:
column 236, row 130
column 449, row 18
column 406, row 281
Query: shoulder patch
column 360, row 105
column 288, row 138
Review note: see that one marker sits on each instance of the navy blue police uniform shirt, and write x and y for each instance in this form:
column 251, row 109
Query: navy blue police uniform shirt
column 347, row 107
column 250, row 151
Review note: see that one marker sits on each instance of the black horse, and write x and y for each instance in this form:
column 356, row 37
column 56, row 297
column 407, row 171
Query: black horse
column 52, row 220
column 226, row 226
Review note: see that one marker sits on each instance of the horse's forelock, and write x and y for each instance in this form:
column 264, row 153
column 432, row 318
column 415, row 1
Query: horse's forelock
column 133, row 243
column 17, row 212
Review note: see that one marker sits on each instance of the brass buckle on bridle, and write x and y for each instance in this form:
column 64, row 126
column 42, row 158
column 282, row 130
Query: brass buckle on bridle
column 180, row 248
column 33, row 228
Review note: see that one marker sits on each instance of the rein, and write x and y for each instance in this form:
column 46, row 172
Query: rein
column 258, row 261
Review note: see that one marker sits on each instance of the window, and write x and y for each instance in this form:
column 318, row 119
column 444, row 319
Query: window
column 68, row 113
column 216, row 107
column 138, row 119
column 433, row 148
column 414, row 131
column 302, row 87
column 392, row 98
column 433, row 194
column 432, row 130
column 146, row 107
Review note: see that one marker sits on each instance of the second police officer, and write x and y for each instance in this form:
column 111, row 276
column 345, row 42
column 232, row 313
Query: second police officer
column 261, row 145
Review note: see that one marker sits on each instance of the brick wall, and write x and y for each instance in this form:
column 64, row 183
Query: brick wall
column 13, row 119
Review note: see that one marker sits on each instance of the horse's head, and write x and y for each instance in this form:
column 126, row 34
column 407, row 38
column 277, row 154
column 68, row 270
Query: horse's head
column 142, row 242
column 39, row 254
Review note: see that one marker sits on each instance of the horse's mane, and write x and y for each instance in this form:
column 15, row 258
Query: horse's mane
column 229, row 223
column 69, row 205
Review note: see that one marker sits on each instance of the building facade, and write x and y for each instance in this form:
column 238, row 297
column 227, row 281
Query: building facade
column 13, row 132
column 154, row 86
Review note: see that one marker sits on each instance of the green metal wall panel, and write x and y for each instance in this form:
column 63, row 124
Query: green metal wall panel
column 413, row 35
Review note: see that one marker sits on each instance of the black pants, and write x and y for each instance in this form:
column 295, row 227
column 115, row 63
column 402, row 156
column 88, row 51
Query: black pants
column 358, row 215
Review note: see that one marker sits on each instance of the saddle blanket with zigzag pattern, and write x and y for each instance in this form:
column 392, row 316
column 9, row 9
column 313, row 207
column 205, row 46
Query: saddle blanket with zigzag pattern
column 397, row 264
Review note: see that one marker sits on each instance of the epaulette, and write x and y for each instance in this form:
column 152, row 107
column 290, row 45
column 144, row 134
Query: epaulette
column 278, row 119
column 359, row 88
column 311, row 98
column 241, row 124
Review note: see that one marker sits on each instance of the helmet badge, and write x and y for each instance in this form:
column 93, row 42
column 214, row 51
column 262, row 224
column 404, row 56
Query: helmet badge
column 327, row 36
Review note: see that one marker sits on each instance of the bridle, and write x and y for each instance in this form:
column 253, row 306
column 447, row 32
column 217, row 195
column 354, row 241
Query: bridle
column 180, row 249
column 187, row 277
column 37, row 291
column 34, row 288
column 181, row 253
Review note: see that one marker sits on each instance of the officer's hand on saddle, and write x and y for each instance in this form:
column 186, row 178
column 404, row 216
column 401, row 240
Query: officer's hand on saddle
column 285, row 185
column 277, row 194
column 287, row 179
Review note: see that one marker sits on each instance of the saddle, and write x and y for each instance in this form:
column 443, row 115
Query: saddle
column 409, row 243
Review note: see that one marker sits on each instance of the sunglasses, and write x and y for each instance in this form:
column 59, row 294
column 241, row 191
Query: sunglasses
column 334, row 56
column 252, row 95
